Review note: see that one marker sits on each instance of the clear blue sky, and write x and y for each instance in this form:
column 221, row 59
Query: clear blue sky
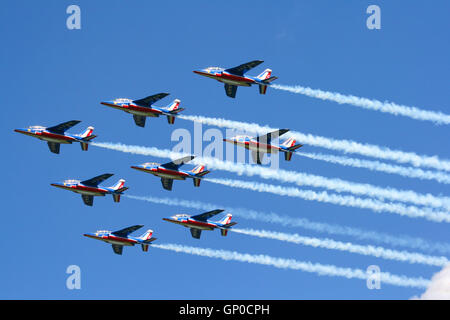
column 135, row 48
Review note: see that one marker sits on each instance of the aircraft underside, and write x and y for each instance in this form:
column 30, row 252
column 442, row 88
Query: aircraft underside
column 235, row 83
column 55, row 140
column 169, row 176
column 143, row 114
column 120, row 243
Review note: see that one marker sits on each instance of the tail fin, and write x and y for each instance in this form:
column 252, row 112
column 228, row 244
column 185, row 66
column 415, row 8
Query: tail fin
column 266, row 78
column 147, row 238
column 118, row 185
column 86, row 136
column 291, row 146
column 265, row 74
column 227, row 219
column 173, row 108
column 87, row 133
column 199, row 171
column 147, row 235
column 118, row 188
column 226, row 223
column 174, row 105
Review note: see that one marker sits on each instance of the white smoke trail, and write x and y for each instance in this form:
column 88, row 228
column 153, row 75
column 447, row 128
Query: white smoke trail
column 346, row 146
column 409, row 172
column 386, row 107
column 306, row 266
column 287, row 221
column 301, row 179
column 367, row 250
column 350, row 201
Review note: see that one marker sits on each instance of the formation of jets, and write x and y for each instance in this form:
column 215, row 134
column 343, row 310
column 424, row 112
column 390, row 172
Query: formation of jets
column 168, row 172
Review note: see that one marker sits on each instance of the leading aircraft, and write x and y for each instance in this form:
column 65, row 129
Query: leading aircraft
column 142, row 108
column 56, row 135
column 121, row 238
column 90, row 188
column 234, row 77
column 263, row 144
column 200, row 222
column 171, row 171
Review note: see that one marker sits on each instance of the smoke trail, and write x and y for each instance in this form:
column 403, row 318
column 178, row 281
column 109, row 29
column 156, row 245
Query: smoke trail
column 301, row 179
column 287, row 221
column 380, row 166
column 349, row 201
column 346, row 146
column 320, row 269
column 367, row 250
column 387, row 107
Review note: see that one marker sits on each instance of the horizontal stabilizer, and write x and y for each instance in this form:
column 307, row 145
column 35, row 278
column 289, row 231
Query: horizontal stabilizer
column 228, row 225
column 270, row 80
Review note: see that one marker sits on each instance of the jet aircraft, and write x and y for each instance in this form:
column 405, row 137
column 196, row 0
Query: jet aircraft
column 121, row 238
column 262, row 144
column 142, row 108
column 171, row 171
column 90, row 188
column 234, row 77
column 200, row 222
column 56, row 135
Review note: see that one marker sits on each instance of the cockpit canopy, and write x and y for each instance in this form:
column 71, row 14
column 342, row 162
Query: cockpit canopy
column 102, row 232
column 36, row 127
column 122, row 100
column 181, row 215
column 213, row 69
column 242, row 138
column 150, row 164
column 71, row 181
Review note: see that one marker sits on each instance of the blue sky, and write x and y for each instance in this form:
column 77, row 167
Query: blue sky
column 51, row 74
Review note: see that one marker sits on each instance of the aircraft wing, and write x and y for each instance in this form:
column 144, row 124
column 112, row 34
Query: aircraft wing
column 205, row 216
column 196, row 233
column 230, row 90
column 177, row 163
column 139, row 120
column 267, row 138
column 257, row 157
column 125, row 232
column 148, row 101
column 167, row 183
column 94, row 182
column 54, row 147
column 243, row 68
column 61, row 128
column 117, row 248
column 88, row 200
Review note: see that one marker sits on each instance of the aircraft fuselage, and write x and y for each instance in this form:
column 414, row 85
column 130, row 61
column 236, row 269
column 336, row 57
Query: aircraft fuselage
column 135, row 109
